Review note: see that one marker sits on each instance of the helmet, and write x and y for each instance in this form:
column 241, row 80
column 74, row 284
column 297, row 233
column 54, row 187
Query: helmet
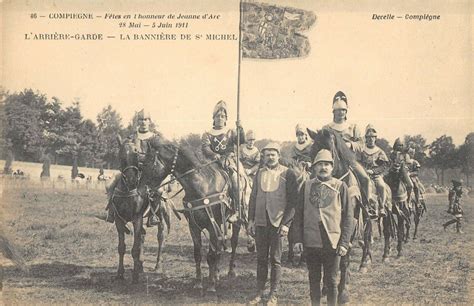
column 339, row 101
column 301, row 128
column 250, row 135
column 370, row 130
column 323, row 155
column 397, row 143
column 221, row 105
column 143, row 114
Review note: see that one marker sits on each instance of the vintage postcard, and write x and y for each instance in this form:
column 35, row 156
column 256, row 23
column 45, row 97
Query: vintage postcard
column 334, row 137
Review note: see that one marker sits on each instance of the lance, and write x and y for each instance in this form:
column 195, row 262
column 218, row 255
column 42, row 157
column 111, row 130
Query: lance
column 238, row 111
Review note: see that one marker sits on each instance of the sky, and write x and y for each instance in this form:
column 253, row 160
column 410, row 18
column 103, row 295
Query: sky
column 402, row 76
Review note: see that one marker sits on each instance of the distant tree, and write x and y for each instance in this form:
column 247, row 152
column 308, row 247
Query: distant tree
column 384, row 145
column 23, row 113
column 109, row 125
column 465, row 157
column 441, row 156
column 417, row 142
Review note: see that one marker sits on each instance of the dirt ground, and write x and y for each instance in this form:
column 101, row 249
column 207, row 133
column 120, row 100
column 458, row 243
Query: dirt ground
column 72, row 258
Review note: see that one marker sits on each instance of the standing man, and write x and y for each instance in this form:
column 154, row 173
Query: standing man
column 376, row 163
column 143, row 139
column 455, row 207
column 220, row 144
column 250, row 155
column 323, row 226
column 271, row 211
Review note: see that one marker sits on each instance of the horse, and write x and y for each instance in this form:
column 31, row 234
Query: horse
column 400, row 207
column 417, row 207
column 344, row 163
column 302, row 175
column 130, row 200
column 206, row 206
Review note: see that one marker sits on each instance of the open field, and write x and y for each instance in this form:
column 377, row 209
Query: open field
column 72, row 258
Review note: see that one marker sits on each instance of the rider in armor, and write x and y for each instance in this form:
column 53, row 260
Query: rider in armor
column 301, row 151
column 413, row 168
column 143, row 139
column 352, row 136
column 250, row 155
column 375, row 162
column 220, row 143
column 400, row 161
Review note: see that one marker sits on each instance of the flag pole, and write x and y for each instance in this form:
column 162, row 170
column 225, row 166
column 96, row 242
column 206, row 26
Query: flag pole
column 238, row 111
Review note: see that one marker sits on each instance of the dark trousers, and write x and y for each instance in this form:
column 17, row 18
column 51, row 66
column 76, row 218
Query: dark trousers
column 316, row 260
column 269, row 246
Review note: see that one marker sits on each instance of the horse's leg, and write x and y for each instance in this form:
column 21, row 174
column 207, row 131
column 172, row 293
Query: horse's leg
column 197, row 244
column 407, row 228
column 137, row 249
column 213, row 257
column 401, row 226
column 291, row 243
column 121, row 247
column 160, row 236
column 234, row 242
column 365, row 247
column 387, row 228
column 417, row 221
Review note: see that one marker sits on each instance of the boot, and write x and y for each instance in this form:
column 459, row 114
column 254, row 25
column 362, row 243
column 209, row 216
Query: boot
column 258, row 298
column 459, row 228
column 110, row 212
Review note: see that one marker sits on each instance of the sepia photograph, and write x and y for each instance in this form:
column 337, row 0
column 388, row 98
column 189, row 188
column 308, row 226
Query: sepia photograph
column 256, row 152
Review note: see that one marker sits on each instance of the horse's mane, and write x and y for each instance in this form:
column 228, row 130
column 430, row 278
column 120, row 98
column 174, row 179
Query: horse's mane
column 191, row 159
column 321, row 141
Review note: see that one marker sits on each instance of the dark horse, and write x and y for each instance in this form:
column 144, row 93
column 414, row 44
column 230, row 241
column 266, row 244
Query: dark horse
column 130, row 201
column 206, row 206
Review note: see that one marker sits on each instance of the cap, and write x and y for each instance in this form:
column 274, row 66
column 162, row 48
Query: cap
column 272, row 146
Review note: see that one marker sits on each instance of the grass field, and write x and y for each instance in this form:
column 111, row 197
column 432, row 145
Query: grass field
column 72, row 258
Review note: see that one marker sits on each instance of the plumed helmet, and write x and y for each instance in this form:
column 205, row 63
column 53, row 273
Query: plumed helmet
column 339, row 101
column 250, row 135
column 301, row 128
column 221, row 105
column 272, row 146
column 143, row 114
column 370, row 130
column 323, row 155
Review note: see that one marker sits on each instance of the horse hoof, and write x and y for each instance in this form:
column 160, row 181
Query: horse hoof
column 211, row 289
column 231, row 274
column 414, row 238
column 399, row 255
column 343, row 297
column 363, row 270
column 198, row 286
column 118, row 277
column 385, row 260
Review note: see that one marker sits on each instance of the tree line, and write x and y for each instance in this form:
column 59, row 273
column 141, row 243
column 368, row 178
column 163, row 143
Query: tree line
column 37, row 129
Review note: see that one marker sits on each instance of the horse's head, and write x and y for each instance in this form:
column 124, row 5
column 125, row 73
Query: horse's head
column 332, row 141
column 128, row 157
